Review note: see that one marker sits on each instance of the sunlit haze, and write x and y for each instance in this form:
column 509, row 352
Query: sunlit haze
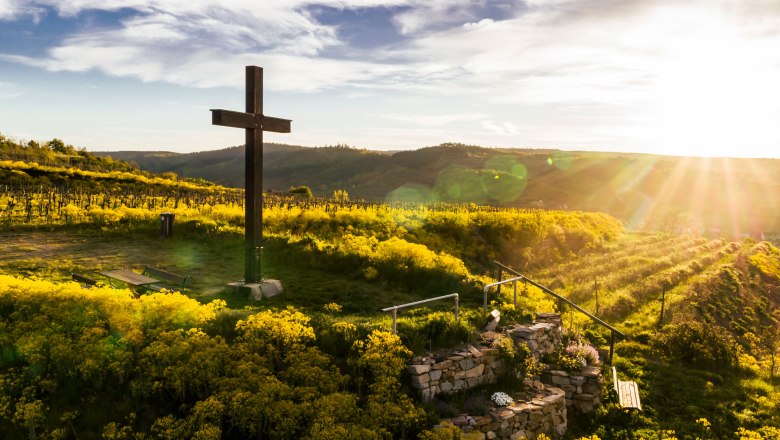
column 692, row 78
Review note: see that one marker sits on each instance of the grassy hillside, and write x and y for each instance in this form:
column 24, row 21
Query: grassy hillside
column 102, row 363
column 687, row 371
column 722, row 197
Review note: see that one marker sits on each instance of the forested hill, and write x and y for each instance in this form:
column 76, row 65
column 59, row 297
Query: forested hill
column 722, row 196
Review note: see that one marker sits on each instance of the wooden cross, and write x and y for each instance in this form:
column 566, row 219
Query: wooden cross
column 255, row 123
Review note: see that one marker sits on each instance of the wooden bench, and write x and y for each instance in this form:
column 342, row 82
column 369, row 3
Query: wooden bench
column 84, row 280
column 169, row 280
column 627, row 392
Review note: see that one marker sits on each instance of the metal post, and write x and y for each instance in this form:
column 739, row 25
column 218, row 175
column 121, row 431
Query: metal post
column 514, row 284
column 456, row 307
column 663, row 300
column 611, row 345
column 395, row 313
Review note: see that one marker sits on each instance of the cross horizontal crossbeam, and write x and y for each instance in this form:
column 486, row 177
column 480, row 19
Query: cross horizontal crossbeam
column 229, row 118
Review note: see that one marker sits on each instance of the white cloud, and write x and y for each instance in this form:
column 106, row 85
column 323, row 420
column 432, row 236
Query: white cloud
column 700, row 66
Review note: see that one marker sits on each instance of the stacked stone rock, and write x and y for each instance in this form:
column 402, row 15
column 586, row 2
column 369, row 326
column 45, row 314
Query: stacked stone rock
column 542, row 337
column 472, row 366
column 544, row 414
column 583, row 390
column 460, row 370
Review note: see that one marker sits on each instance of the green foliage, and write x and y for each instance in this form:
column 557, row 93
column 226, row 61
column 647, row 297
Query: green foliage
column 304, row 191
column 444, row 431
column 382, row 354
column 518, row 356
column 422, row 331
column 136, row 356
column 698, row 344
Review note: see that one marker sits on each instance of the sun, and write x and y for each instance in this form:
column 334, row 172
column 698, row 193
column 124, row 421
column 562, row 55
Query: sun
column 715, row 94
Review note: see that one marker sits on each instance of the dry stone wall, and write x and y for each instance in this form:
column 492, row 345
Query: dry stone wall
column 550, row 401
column 473, row 366
column 544, row 413
column 463, row 369
column 582, row 390
column 542, row 337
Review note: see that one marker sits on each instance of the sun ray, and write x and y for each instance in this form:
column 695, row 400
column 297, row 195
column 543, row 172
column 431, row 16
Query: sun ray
column 665, row 197
column 732, row 201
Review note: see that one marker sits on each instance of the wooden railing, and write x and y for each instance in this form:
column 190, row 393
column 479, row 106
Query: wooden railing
column 561, row 300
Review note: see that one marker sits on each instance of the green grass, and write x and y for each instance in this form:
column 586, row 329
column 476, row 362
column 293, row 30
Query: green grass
column 211, row 261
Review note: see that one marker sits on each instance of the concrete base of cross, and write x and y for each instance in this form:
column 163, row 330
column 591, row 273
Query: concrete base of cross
column 256, row 291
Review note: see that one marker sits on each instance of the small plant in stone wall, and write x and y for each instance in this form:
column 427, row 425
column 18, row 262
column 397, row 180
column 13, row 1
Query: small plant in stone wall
column 501, row 399
column 574, row 357
column 585, row 351
column 518, row 357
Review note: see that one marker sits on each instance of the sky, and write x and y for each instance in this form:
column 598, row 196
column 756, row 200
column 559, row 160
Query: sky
column 682, row 77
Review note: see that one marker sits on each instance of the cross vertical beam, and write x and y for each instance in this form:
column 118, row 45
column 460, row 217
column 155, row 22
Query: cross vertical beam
column 253, row 172
column 254, row 123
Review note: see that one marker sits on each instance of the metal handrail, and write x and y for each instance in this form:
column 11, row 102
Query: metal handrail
column 561, row 299
column 394, row 309
column 488, row 286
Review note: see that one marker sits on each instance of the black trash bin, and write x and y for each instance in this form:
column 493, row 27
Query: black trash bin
column 166, row 224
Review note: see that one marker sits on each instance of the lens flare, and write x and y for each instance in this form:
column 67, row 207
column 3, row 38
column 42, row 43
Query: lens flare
column 412, row 192
column 561, row 160
column 460, row 184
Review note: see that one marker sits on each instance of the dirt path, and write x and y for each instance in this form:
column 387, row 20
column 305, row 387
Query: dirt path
column 55, row 254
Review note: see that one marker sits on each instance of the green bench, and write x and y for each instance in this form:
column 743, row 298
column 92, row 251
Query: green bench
column 167, row 279
column 84, row 280
column 627, row 392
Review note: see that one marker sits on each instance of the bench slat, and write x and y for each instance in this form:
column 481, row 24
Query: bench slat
column 627, row 391
column 167, row 277
column 83, row 279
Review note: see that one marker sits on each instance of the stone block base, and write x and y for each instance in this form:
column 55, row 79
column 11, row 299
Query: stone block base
column 256, row 291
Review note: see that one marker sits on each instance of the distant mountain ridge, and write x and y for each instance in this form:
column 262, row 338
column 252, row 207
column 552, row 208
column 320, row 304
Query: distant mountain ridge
column 729, row 196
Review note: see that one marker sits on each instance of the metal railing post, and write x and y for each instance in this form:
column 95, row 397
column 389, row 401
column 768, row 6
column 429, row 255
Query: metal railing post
column 515, row 292
column 498, row 284
column 611, row 345
column 394, row 309
column 456, row 307
column 561, row 302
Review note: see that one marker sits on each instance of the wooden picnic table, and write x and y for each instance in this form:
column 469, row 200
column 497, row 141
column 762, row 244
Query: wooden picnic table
column 129, row 277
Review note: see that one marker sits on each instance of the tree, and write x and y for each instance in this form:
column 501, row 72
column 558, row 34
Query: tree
column 58, row 146
column 341, row 195
column 304, row 190
column 770, row 344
